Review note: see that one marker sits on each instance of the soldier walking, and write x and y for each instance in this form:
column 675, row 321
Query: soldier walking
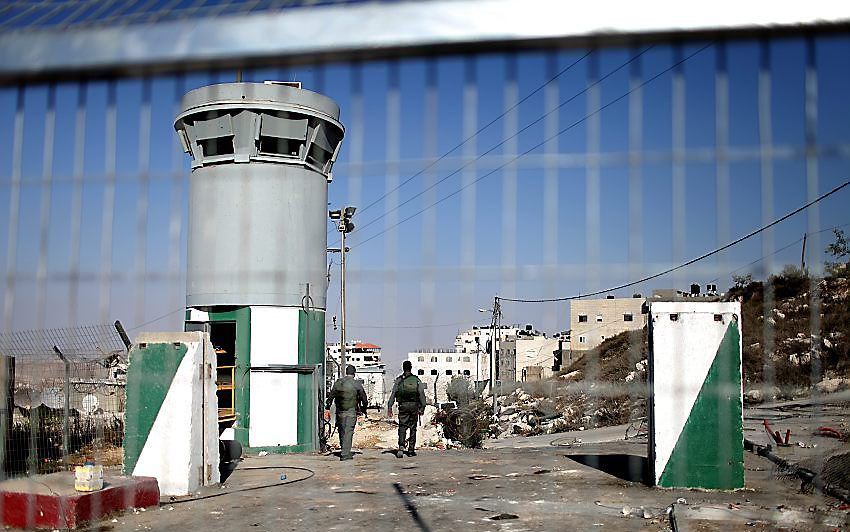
column 350, row 399
column 409, row 391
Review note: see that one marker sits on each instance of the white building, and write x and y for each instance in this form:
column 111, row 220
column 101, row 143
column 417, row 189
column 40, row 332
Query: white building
column 437, row 367
column 594, row 320
column 470, row 359
column 371, row 370
column 533, row 355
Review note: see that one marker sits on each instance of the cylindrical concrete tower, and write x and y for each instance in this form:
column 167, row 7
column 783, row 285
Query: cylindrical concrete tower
column 262, row 156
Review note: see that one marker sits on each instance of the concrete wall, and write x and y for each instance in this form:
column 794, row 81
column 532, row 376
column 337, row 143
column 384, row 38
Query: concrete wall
column 171, row 418
column 605, row 318
column 696, row 435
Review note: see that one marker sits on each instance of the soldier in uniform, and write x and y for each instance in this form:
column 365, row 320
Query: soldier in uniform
column 409, row 391
column 350, row 399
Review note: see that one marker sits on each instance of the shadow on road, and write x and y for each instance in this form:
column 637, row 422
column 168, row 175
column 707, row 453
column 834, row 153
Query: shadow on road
column 625, row 466
column 411, row 508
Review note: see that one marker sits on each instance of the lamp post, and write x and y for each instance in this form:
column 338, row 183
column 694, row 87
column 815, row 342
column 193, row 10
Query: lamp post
column 344, row 225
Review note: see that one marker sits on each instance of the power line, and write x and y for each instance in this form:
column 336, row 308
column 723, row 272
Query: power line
column 538, row 145
column 688, row 263
column 157, row 319
column 505, row 140
column 410, row 326
column 783, row 248
column 478, row 132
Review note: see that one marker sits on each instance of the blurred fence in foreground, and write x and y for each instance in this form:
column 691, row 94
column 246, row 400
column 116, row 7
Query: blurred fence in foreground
column 63, row 398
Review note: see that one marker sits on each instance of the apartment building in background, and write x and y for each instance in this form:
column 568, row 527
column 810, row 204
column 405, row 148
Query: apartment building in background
column 594, row 320
column 371, row 370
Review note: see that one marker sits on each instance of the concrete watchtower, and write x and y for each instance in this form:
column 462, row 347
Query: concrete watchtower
column 262, row 155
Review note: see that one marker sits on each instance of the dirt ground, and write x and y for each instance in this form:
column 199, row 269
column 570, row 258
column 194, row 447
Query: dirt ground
column 535, row 486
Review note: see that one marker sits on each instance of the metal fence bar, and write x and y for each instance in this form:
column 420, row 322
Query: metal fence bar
column 469, row 194
column 142, row 200
column 430, row 133
column 679, row 193
column 392, row 151
column 44, row 220
column 767, row 204
column 510, row 122
column 635, row 163
column 108, row 214
column 723, row 185
column 14, row 211
column 551, row 184
column 75, row 223
column 593, row 192
column 813, row 215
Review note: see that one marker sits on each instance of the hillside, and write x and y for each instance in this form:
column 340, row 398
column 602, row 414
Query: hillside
column 800, row 338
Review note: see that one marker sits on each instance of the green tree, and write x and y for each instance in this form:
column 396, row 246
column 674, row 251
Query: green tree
column 838, row 249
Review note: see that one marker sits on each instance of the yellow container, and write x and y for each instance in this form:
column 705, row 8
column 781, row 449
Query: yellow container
column 88, row 477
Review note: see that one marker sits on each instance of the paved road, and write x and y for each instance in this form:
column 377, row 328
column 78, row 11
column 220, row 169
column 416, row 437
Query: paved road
column 538, row 488
column 530, row 480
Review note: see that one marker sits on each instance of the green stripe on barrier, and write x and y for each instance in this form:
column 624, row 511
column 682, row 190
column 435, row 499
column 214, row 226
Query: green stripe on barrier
column 149, row 378
column 709, row 452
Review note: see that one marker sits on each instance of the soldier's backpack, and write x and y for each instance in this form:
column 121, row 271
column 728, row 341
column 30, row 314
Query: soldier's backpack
column 408, row 389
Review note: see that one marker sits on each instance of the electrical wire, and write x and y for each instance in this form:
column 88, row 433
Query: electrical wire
column 478, row 132
column 783, row 248
column 540, row 144
column 688, row 263
column 252, row 488
column 157, row 319
column 506, row 139
column 409, row 326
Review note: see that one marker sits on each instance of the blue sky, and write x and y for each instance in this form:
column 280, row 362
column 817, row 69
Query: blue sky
column 392, row 291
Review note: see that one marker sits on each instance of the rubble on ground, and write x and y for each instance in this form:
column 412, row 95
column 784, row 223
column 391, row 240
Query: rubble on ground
column 525, row 414
column 378, row 432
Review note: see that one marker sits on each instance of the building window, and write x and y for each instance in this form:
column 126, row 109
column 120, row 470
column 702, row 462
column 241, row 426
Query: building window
column 433, row 359
column 466, row 372
column 466, row 359
column 448, row 359
column 433, row 372
column 420, row 372
column 581, row 339
column 421, row 359
column 448, row 372
column 599, row 318
column 628, row 317
column 582, row 318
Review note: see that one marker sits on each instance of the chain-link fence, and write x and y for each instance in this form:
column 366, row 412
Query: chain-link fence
column 65, row 397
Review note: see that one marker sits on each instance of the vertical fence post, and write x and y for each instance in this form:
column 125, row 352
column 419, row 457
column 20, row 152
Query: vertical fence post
column 67, row 410
column 7, row 405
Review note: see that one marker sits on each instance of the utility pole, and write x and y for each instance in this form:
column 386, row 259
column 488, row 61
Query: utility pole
column 344, row 226
column 342, row 305
column 494, row 363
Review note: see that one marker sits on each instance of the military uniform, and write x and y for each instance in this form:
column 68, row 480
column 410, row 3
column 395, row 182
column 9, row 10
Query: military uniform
column 409, row 392
column 350, row 399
